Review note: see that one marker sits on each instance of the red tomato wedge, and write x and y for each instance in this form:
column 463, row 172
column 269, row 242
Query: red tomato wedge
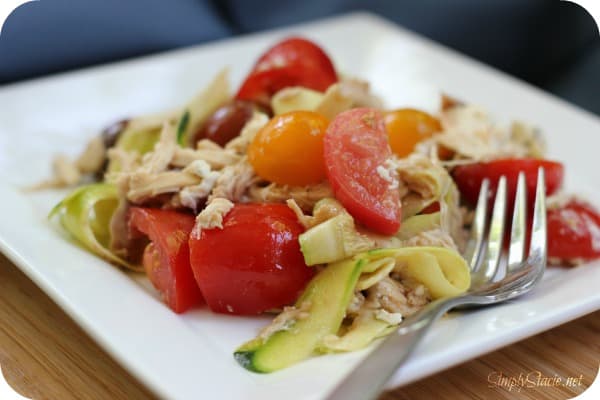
column 468, row 178
column 432, row 208
column 167, row 257
column 356, row 149
column 291, row 62
column 254, row 263
column 573, row 233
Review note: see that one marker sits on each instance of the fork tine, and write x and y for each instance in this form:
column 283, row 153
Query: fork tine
column 524, row 278
column 516, row 252
column 494, row 247
column 538, row 245
column 478, row 227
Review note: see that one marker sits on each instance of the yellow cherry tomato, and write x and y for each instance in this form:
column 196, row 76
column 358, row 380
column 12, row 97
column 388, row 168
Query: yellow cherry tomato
column 406, row 127
column 289, row 149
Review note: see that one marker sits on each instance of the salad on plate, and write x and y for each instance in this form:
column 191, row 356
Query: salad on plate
column 301, row 195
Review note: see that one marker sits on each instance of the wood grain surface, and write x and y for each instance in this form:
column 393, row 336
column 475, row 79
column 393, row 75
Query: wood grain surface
column 46, row 356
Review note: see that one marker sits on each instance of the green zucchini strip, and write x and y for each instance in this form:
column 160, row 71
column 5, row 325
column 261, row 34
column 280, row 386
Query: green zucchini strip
column 85, row 214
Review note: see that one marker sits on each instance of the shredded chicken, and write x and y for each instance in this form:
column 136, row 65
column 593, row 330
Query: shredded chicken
column 347, row 94
column 417, row 294
column 380, row 241
column 93, row 157
column 305, row 220
column 420, row 175
column 193, row 196
column 168, row 153
column 388, row 317
column 217, row 158
column 529, row 138
column 158, row 174
column 158, row 160
column 434, row 237
column 471, row 134
column 305, row 196
column 68, row 173
column 145, row 186
column 394, row 297
column 356, row 303
column 152, row 121
column 323, row 210
column 234, row 181
column 327, row 209
column 207, row 144
column 387, row 300
column 212, row 215
column 126, row 160
column 151, row 177
column 285, row 320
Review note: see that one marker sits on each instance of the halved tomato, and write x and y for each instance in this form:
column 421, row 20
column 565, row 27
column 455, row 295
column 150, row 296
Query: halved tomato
column 573, row 233
column 356, row 151
column 167, row 257
column 468, row 178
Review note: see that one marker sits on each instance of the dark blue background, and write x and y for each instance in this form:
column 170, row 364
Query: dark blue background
column 552, row 44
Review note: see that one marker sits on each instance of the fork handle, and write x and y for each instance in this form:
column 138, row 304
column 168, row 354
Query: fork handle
column 366, row 380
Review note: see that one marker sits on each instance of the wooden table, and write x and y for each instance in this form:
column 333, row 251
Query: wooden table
column 45, row 355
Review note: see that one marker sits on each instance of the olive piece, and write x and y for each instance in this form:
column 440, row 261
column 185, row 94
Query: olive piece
column 109, row 136
column 111, row 133
column 226, row 122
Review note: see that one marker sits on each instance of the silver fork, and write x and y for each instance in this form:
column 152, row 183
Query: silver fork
column 519, row 276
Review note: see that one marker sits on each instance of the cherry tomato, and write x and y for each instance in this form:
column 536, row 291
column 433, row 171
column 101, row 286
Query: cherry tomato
column 356, row 150
column 468, row 178
column 289, row 149
column 574, row 232
column 291, row 62
column 226, row 123
column 167, row 258
column 407, row 127
column 254, row 263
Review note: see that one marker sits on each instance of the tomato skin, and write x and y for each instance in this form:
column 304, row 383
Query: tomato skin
column 291, row 62
column 469, row 177
column 432, row 208
column 355, row 146
column 289, row 149
column 166, row 258
column 574, row 232
column 254, row 263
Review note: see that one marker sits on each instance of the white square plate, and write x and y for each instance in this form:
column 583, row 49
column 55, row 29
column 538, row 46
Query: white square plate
column 190, row 356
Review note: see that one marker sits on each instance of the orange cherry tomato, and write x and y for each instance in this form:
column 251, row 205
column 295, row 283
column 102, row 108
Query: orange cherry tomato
column 289, row 149
column 406, row 127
